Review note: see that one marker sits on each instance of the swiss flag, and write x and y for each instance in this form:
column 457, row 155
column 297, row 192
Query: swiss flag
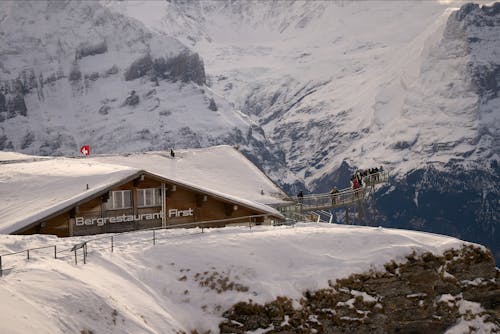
column 85, row 149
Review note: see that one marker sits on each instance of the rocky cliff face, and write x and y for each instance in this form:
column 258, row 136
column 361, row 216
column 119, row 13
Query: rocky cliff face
column 427, row 294
column 459, row 197
column 75, row 73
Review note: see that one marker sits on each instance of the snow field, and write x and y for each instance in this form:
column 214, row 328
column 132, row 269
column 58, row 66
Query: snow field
column 188, row 278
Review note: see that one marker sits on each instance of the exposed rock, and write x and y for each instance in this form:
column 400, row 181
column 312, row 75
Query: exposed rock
column 56, row 143
column 165, row 113
column 3, row 106
column 139, row 68
column 186, row 136
column 103, row 110
column 75, row 74
column 212, row 106
column 28, row 139
column 91, row 49
column 187, row 67
column 132, row 100
column 150, row 93
column 5, row 144
column 92, row 76
column 420, row 296
column 16, row 106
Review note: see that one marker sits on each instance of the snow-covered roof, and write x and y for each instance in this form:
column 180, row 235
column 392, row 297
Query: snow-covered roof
column 31, row 190
column 220, row 169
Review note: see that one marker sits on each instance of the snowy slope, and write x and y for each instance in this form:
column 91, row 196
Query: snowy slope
column 370, row 83
column 74, row 73
column 157, row 289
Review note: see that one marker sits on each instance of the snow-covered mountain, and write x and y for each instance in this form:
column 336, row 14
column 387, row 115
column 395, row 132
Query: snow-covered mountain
column 74, row 73
column 310, row 90
column 366, row 83
column 334, row 86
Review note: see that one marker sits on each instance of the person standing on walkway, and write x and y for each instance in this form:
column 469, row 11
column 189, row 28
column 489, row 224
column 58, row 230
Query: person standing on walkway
column 334, row 194
column 300, row 196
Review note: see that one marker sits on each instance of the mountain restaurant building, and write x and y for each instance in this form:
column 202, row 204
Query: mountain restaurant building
column 209, row 187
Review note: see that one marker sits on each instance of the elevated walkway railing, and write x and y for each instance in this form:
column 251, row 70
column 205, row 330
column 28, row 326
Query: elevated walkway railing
column 343, row 198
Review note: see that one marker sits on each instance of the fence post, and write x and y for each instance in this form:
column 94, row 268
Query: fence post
column 55, row 252
column 1, row 270
column 76, row 261
column 154, row 237
column 111, row 244
column 28, row 254
column 84, row 253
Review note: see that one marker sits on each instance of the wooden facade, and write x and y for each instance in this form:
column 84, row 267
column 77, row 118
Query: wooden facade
column 174, row 205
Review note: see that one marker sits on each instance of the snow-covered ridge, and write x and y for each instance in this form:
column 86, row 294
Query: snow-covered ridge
column 152, row 289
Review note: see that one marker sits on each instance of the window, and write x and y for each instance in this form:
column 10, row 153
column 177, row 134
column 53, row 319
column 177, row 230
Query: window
column 148, row 197
column 120, row 199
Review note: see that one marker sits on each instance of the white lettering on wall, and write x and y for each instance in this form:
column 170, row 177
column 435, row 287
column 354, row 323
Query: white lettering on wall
column 180, row 213
column 100, row 221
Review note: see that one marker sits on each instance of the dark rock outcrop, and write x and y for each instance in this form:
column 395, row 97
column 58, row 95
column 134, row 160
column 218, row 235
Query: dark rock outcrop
column 212, row 106
column 75, row 74
column 3, row 107
column 187, row 67
column 88, row 49
column 5, row 144
column 104, row 109
column 28, row 139
column 422, row 295
column 139, row 68
column 16, row 106
column 131, row 100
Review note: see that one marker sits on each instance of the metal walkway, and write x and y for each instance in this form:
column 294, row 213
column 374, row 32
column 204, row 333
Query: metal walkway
column 299, row 207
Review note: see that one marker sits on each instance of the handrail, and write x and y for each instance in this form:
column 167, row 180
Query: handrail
column 83, row 243
column 342, row 198
column 294, row 209
column 24, row 250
